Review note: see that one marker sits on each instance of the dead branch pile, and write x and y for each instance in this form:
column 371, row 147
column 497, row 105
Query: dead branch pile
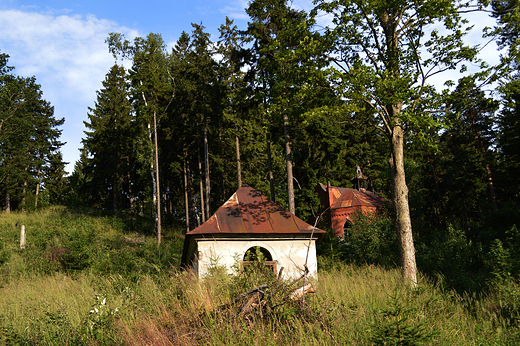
column 264, row 300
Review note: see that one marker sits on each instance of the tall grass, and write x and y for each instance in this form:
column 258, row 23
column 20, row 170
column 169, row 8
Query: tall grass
column 109, row 291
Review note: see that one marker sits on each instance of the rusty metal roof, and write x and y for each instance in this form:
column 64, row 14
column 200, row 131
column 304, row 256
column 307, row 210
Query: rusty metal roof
column 341, row 197
column 249, row 211
column 357, row 198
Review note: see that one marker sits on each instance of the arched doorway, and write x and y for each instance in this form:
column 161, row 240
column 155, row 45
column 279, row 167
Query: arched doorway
column 257, row 257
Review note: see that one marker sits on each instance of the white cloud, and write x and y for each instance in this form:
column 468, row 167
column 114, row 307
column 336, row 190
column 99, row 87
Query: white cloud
column 236, row 10
column 68, row 57
column 71, row 48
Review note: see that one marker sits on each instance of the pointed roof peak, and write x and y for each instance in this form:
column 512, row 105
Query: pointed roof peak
column 248, row 211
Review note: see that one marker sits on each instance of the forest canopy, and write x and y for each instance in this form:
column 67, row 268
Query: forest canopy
column 285, row 104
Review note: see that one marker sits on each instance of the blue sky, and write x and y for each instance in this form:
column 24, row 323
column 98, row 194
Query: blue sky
column 61, row 43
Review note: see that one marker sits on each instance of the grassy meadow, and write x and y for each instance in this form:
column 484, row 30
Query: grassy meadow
column 89, row 279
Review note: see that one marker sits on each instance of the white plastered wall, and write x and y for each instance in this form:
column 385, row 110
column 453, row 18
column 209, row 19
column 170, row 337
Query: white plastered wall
column 289, row 254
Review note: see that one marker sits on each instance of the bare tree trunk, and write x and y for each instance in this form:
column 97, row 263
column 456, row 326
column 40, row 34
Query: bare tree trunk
column 239, row 168
column 154, row 187
column 158, row 193
column 202, row 209
column 491, row 188
column 24, row 193
column 288, row 160
column 270, row 166
column 114, row 195
column 403, row 222
column 37, row 189
column 191, row 199
column 8, row 204
column 130, row 195
column 186, row 200
column 206, row 168
column 222, row 190
column 155, row 177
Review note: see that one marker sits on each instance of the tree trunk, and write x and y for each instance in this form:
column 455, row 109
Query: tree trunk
column 114, row 195
column 130, row 195
column 491, row 188
column 270, row 166
column 202, row 209
column 37, row 189
column 186, row 200
column 155, row 177
column 191, row 198
column 403, row 222
column 288, row 160
column 158, row 193
column 24, row 193
column 222, row 190
column 206, row 168
column 8, row 204
column 154, row 183
column 239, row 168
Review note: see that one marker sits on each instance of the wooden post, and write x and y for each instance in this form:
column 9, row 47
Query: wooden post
column 22, row 237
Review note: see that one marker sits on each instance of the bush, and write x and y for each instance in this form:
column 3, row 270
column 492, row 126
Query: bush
column 372, row 239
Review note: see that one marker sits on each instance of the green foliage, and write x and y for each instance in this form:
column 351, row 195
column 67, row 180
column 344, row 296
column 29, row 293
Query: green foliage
column 332, row 251
column 128, row 293
column 74, row 243
column 79, row 248
column 100, row 320
column 502, row 259
column 5, row 254
column 111, row 167
column 397, row 326
column 29, row 139
column 253, row 271
column 509, row 140
column 499, row 261
column 453, row 259
column 372, row 239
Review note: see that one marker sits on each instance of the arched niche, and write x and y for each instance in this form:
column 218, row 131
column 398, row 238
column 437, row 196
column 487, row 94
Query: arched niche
column 252, row 254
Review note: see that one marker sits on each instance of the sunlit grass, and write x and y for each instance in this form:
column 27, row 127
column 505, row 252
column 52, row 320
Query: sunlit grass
column 126, row 293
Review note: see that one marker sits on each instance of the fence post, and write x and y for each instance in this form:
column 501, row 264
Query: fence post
column 22, row 237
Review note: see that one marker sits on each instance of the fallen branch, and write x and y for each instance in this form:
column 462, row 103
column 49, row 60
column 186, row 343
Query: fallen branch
column 243, row 295
column 300, row 292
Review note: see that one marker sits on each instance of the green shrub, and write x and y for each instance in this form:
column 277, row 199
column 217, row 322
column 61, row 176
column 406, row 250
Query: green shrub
column 5, row 254
column 373, row 240
column 398, row 326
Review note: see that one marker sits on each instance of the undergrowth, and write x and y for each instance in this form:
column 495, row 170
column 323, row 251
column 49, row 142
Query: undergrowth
column 96, row 280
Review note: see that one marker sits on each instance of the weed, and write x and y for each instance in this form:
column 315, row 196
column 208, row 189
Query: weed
column 100, row 319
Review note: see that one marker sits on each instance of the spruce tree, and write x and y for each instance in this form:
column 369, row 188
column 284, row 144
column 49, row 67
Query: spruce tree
column 287, row 72
column 29, row 136
column 109, row 139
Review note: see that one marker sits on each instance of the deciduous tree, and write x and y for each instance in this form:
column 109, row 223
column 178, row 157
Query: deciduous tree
column 384, row 53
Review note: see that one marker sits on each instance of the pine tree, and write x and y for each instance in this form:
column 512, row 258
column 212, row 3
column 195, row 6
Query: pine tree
column 509, row 140
column 109, row 139
column 54, row 180
column 288, row 73
column 469, row 159
column 153, row 90
column 29, row 135
column 507, row 14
